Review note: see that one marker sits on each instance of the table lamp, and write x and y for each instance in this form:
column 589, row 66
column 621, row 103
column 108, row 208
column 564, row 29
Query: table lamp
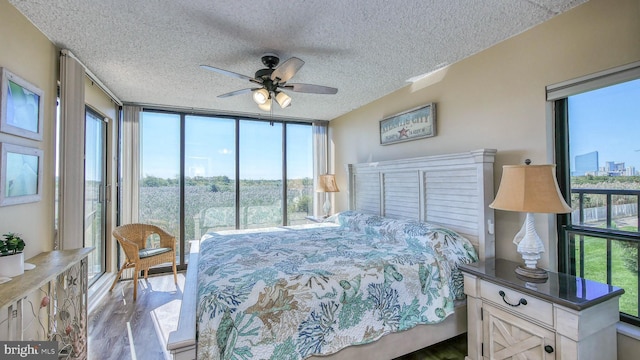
column 530, row 189
column 327, row 183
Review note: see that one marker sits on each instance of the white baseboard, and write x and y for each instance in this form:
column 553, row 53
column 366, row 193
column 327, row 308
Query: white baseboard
column 98, row 290
column 629, row 330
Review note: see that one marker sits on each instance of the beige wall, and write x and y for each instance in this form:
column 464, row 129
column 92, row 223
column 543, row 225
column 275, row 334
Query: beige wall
column 26, row 52
column 496, row 99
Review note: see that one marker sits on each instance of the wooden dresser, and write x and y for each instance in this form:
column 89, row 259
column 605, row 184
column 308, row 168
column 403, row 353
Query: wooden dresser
column 566, row 317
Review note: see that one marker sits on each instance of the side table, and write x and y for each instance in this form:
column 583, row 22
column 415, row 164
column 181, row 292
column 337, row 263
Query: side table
column 566, row 317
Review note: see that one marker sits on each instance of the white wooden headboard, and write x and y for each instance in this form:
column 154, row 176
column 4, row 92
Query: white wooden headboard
column 452, row 190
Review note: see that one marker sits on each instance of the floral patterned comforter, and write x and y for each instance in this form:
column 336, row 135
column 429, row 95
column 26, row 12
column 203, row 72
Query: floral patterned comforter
column 297, row 292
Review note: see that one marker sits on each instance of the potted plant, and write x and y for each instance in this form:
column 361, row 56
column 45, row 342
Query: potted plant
column 11, row 255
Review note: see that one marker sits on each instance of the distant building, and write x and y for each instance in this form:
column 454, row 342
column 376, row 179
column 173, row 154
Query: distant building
column 613, row 168
column 586, row 164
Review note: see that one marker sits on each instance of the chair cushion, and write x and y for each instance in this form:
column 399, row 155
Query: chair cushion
column 145, row 253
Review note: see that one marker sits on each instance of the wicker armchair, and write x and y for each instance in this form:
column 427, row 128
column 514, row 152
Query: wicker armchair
column 133, row 239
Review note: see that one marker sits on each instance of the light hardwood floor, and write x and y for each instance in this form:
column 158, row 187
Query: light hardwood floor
column 120, row 328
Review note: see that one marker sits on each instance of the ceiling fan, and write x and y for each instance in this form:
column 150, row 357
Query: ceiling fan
column 272, row 81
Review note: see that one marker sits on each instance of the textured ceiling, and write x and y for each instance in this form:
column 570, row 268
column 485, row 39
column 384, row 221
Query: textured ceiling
column 149, row 52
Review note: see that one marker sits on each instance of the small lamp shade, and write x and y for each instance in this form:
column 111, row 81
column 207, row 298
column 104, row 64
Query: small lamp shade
column 260, row 96
column 266, row 106
column 530, row 188
column 327, row 183
column 283, row 99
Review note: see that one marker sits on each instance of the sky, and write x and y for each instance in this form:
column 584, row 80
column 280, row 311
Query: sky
column 210, row 148
column 607, row 120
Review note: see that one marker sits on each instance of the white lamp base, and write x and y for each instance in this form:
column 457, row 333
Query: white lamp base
column 530, row 247
column 327, row 206
column 532, row 275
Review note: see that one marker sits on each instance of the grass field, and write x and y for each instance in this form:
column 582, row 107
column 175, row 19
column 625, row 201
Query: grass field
column 595, row 268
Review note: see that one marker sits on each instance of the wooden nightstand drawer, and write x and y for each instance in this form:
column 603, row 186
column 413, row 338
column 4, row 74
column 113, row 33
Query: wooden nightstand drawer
column 512, row 300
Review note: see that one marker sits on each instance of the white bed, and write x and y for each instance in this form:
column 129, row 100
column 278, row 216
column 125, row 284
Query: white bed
column 451, row 190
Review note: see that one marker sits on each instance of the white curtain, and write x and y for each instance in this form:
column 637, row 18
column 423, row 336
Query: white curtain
column 72, row 120
column 320, row 162
column 130, row 163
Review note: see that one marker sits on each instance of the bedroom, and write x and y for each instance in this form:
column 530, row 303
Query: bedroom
column 590, row 38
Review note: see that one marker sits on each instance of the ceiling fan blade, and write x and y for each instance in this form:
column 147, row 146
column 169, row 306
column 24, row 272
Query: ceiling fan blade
column 312, row 89
column 237, row 92
column 286, row 70
column 231, row 73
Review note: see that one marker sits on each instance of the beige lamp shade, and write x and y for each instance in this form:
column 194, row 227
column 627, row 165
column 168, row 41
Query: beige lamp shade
column 531, row 189
column 327, row 183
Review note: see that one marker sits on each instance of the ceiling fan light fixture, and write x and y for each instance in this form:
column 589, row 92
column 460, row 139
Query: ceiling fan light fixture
column 266, row 106
column 271, row 80
column 261, row 96
column 283, row 99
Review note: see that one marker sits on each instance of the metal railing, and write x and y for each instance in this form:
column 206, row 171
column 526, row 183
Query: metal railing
column 608, row 193
column 600, row 223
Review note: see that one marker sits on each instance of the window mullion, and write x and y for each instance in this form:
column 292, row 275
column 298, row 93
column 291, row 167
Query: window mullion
column 182, row 188
column 285, row 221
column 237, row 173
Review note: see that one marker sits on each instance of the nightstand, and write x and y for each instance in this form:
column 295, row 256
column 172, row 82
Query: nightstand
column 566, row 317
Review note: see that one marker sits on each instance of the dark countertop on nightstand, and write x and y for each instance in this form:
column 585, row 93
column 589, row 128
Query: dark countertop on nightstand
column 566, row 290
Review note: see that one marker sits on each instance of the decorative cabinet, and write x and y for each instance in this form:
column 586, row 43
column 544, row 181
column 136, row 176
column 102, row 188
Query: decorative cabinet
column 49, row 302
column 565, row 317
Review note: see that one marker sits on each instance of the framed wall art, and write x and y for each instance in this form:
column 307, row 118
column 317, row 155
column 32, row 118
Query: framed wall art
column 20, row 174
column 21, row 106
column 412, row 124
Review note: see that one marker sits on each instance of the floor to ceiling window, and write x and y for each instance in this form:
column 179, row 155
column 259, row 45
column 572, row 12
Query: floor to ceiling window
column 261, row 186
column 599, row 165
column 210, row 175
column 159, row 193
column 299, row 173
column 203, row 173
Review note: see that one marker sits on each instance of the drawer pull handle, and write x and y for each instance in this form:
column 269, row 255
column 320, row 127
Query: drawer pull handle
column 521, row 302
column 548, row 349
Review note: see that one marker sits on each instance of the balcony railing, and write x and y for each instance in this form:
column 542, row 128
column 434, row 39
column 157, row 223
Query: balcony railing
column 603, row 242
column 611, row 210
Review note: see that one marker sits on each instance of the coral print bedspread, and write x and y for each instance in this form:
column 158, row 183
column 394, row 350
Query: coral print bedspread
column 294, row 292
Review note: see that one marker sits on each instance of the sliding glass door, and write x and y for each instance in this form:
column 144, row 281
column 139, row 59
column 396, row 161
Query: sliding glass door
column 260, row 161
column 299, row 162
column 94, row 192
column 210, row 175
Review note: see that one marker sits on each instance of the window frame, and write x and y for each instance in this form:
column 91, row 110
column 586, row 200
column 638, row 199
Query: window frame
column 238, row 119
column 557, row 96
